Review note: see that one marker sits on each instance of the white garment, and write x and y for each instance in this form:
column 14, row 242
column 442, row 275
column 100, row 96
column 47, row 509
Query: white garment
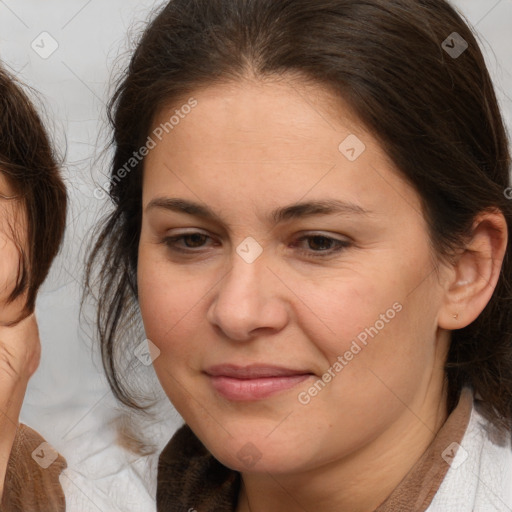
column 480, row 476
column 101, row 475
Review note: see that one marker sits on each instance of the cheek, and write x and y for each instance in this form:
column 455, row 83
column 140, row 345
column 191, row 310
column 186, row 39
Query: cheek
column 9, row 263
column 374, row 323
column 343, row 310
column 169, row 313
column 169, row 305
column 9, row 258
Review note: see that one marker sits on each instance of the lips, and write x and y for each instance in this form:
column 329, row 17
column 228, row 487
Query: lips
column 253, row 371
column 254, row 382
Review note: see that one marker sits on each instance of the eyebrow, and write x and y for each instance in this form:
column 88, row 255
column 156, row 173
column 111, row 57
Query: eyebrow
column 277, row 216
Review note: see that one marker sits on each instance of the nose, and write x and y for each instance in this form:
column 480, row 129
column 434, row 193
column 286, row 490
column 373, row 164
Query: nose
column 250, row 300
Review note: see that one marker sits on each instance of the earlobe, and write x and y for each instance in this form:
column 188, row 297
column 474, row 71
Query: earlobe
column 476, row 272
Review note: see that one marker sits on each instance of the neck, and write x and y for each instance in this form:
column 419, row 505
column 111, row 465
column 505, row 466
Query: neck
column 359, row 482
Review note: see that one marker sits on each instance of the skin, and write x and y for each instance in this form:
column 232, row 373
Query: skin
column 12, row 225
column 246, row 149
column 20, row 347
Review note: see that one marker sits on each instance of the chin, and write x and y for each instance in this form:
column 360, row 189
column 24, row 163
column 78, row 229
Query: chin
column 257, row 453
column 250, row 459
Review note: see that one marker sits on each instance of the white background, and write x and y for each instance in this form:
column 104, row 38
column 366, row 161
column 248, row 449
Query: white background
column 68, row 395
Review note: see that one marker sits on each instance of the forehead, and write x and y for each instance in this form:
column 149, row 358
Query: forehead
column 260, row 108
column 274, row 141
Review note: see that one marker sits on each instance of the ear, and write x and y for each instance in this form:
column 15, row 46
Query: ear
column 472, row 279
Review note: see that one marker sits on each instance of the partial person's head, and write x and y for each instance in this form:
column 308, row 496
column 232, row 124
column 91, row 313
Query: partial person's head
column 32, row 200
column 317, row 186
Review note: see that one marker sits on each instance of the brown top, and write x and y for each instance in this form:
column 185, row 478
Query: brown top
column 418, row 488
column 189, row 477
column 32, row 479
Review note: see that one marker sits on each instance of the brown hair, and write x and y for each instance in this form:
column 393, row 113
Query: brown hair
column 29, row 163
column 435, row 114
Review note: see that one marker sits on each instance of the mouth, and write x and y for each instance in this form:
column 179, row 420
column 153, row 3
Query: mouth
column 255, row 382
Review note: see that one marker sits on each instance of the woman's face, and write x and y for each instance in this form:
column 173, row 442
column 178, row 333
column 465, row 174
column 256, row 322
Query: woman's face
column 295, row 303
column 12, row 232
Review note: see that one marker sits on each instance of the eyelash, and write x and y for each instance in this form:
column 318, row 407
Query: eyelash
column 171, row 241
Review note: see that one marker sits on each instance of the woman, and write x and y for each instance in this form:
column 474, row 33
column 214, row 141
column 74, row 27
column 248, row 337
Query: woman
column 32, row 222
column 310, row 217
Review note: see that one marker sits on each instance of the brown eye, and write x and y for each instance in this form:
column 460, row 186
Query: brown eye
column 189, row 242
column 322, row 246
column 196, row 240
column 320, row 243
